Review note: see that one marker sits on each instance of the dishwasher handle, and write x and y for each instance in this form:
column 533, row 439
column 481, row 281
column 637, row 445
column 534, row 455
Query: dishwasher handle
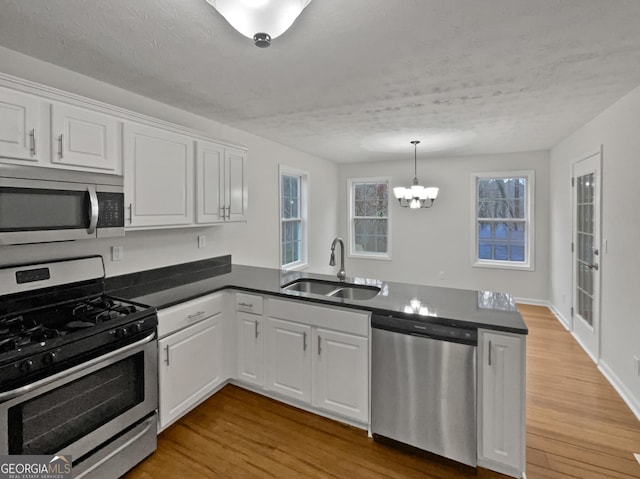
column 440, row 332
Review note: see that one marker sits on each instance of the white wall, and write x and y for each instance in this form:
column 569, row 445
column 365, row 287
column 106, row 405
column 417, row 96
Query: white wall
column 618, row 130
column 429, row 241
column 255, row 242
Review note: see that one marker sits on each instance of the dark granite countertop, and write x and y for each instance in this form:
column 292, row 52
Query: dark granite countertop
column 166, row 287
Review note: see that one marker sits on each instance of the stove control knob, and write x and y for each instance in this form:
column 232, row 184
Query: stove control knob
column 26, row 366
column 121, row 333
column 49, row 358
column 136, row 328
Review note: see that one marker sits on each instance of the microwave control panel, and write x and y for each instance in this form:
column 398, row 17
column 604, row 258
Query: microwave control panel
column 111, row 210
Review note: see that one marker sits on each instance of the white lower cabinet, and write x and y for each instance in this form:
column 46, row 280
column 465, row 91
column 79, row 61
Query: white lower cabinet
column 501, row 402
column 250, row 353
column 190, row 360
column 340, row 373
column 289, row 359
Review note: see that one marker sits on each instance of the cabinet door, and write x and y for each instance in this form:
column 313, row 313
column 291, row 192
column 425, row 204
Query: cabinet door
column 19, row 136
column 83, row 138
column 235, row 184
column 250, row 349
column 190, row 367
column 158, row 177
column 209, row 183
column 289, row 359
column 502, row 403
column 341, row 373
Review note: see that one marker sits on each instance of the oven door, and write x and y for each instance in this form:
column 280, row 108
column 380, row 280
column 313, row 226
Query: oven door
column 77, row 410
column 38, row 211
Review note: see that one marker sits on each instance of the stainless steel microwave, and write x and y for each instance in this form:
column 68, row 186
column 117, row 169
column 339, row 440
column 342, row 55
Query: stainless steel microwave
column 40, row 205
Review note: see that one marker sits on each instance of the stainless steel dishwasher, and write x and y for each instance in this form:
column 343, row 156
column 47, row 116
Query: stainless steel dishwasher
column 423, row 386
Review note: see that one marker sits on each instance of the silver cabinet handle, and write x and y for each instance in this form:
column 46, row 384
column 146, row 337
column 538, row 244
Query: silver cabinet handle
column 61, row 153
column 304, row 340
column 222, row 209
column 195, row 315
column 130, row 208
column 490, row 348
column 257, row 332
column 246, row 305
column 93, row 199
column 32, row 135
column 229, row 212
column 319, row 345
column 166, row 348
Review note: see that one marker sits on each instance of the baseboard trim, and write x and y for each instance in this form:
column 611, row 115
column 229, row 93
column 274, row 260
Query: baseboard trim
column 621, row 389
column 564, row 321
column 604, row 368
column 533, row 302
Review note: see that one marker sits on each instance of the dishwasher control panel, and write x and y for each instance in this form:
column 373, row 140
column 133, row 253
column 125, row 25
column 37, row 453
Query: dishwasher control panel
column 424, row 328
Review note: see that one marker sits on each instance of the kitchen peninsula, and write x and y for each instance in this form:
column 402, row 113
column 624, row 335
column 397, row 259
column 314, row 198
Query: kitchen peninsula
column 253, row 332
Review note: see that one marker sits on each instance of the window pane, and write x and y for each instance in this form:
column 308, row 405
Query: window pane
column 294, row 180
column 502, row 199
column 370, row 225
column 294, row 208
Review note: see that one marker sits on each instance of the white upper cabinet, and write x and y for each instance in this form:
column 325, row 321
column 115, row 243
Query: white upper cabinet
column 84, row 138
column 158, row 172
column 235, row 184
column 221, row 191
column 19, row 127
column 210, row 192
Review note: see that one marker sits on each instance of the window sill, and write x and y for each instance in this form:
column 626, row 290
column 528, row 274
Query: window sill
column 384, row 257
column 504, row 265
column 294, row 267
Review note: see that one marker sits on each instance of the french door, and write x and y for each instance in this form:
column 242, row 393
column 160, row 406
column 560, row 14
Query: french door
column 586, row 189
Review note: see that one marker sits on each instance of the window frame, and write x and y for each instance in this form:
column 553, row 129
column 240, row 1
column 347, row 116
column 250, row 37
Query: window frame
column 303, row 214
column 529, row 263
column 352, row 253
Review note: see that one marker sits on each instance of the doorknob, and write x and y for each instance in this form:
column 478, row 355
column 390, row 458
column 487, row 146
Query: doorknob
column 593, row 266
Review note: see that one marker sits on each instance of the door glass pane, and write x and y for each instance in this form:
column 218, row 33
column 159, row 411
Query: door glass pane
column 584, row 247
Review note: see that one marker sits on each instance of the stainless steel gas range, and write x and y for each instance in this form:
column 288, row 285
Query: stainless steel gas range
column 78, row 368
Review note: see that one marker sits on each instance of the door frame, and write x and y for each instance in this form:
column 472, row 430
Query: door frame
column 594, row 351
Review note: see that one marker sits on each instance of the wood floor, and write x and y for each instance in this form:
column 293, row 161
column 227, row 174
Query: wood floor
column 577, row 427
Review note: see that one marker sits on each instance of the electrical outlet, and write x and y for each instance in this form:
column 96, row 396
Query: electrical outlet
column 117, row 253
column 637, row 365
column 441, row 275
column 202, row 241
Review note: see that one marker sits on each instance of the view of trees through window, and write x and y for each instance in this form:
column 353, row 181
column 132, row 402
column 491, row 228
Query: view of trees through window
column 370, row 217
column 291, row 220
column 502, row 218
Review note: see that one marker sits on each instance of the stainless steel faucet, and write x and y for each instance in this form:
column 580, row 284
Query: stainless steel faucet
column 332, row 262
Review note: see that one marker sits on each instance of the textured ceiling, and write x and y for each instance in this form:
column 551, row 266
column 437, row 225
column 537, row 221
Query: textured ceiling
column 356, row 80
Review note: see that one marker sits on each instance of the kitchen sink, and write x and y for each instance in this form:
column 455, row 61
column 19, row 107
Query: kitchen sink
column 356, row 292
column 334, row 289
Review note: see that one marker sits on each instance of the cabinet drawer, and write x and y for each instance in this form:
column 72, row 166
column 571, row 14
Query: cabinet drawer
column 249, row 303
column 182, row 315
column 347, row 321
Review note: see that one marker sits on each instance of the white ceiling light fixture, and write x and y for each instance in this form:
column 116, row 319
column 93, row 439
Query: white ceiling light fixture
column 416, row 196
column 260, row 20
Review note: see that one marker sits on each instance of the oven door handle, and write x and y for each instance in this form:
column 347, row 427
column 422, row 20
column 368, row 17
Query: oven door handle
column 93, row 199
column 68, row 372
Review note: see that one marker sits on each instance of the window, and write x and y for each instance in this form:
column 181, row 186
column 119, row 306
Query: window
column 369, row 218
column 293, row 218
column 503, row 233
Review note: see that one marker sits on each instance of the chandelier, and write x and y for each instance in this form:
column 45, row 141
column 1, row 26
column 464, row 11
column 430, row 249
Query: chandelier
column 260, row 20
column 416, row 196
